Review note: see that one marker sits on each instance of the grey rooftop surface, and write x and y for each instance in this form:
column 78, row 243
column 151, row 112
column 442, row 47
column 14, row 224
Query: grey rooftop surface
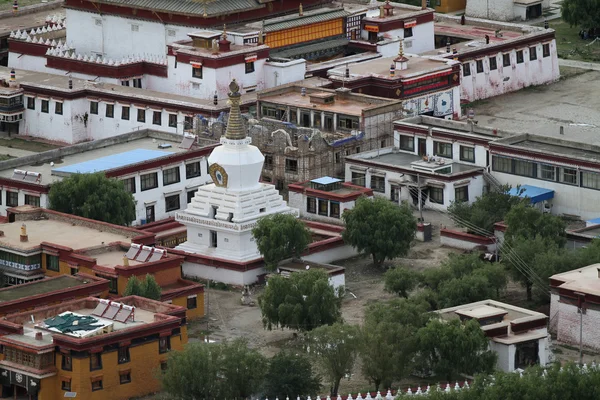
column 406, row 160
column 110, row 162
column 380, row 67
column 551, row 145
column 43, row 286
column 212, row 8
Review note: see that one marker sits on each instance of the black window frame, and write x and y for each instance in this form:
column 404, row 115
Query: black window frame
column 65, row 385
column 378, row 183
column 45, row 108
column 408, row 32
column 66, row 363
column 479, row 66
column 172, row 120
column 141, row 115
column 575, row 174
column 193, row 170
column 518, row 170
column 250, row 68
column 361, row 177
column 176, row 203
column 467, row 68
column 462, row 155
column 520, row 57
column 97, row 385
column 34, row 203
column 506, row 161
column 533, row 53
column 110, row 110
column 58, row 107
column 155, row 120
column 129, row 184
column 164, row 344
column 546, row 50
column 411, row 139
column 30, row 102
column 143, row 187
column 493, row 63
column 436, row 199
column 123, row 355
column 334, row 209
column 436, row 149
column 10, row 196
column 197, row 72
column 291, row 165
column 268, row 164
column 173, row 174
column 98, row 357
column 506, row 60
column 311, row 205
column 544, row 170
column 124, row 377
column 190, row 195
column 593, row 176
column 192, row 302
column 464, row 194
column 94, row 107
column 52, row 263
column 125, row 113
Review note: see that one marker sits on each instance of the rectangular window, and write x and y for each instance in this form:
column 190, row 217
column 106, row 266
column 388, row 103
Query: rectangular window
column 197, row 72
column 31, row 103
column 502, row 164
column 94, row 107
column 97, row 385
column 348, row 122
column 192, row 170
column 45, row 106
column 67, row 363
column 164, row 344
column 12, row 199
column 436, row 195
column 548, row 172
column 188, row 123
column 568, row 176
column 506, row 60
column 338, row 157
column 141, row 115
column 407, row 143
column 172, row 203
column 334, row 209
column 520, row 57
column 378, row 183
column 190, row 195
column 311, row 205
column 532, row 53
column 479, row 66
column 149, row 181
column 590, row 180
column 173, row 120
column 291, row 165
column 493, row 63
column 461, row 194
column 442, row 149
column 157, row 118
column 467, row 154
column 192, row 303
column 466, row 69
column 66, row 385
column 525, row 168
column 58, row 108
column 268, row 162
column 125, row 113
column 408, row 32
column 32, row 200
column 95, row 361
column 358, row 179
column 137, row 83
column 110, row 111
column 546, row 50
column 249, row 67
column 124, row 377
column 323, row 207
column 129, row 184
column 124, row 354
column 171, row 176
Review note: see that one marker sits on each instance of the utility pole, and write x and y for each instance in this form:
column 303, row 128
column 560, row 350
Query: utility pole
column 580, row 301
column 206, row 338
column 419, row 197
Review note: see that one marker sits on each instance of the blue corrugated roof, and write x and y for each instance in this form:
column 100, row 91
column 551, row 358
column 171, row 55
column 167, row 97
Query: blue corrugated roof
column 112, row 161
column 536, row 194
column 326, row 180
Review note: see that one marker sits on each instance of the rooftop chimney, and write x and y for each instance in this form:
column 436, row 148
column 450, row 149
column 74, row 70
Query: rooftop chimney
column 39, row 336
column 125, row 261
column 224, row 44
column 300, row 10
column 24, row 237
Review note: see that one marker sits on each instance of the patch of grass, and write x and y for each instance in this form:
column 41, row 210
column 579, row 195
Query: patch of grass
column 30, row 145
column 4, row 157
column 571, row 46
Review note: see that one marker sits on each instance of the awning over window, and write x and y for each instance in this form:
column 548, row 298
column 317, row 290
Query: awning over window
column 536, row 194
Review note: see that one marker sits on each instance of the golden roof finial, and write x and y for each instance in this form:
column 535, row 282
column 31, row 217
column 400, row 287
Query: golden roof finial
column 401, row 49
column 224, row 31
column 235, row 127
column 205, row 15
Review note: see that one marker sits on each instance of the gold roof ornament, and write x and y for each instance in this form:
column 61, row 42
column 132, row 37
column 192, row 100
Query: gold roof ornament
column 224, row 31
column 235, row 127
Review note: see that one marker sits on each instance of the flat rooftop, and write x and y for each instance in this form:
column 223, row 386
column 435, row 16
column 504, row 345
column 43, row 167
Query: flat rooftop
column 460, row 127
column 380, row 67
column 549, row 145
column 43, row 286
column 298, row 265
column 187, row 46
column 584, row 280
column 61, row 83
column 475, row 32
column 99, row 158
column 27, row 21
column 401, row 11
column 111, row 258
column 58, row 232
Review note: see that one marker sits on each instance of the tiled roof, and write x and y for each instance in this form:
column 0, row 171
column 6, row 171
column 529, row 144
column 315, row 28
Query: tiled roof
column 325, row 45
column 213, row 8
column 308, row 18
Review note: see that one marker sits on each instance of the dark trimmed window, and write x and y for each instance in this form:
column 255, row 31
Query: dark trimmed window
column 291, row 165
column 95, row 361
column 125, row 113
column 506, row 60
column 58, row 108
column 407, row 143
column 124, row 377
column 334, row 209
column 479, row 65
column 129, row 184
column 94, row 107
column 173, row 120
column 157, row 118
column 436, row 195
column 110, row 110
column 461, row 194
column 52, row 263
column 493, row 63
column 467, row 154
column 171, row 176
column 378, row 183
column 97, row 385
column 358, row 179
column 192, row 303
column 141, row 115
column 311, row 205
column 45, row 106
column 32, row 200
column 192, row 170
column 466, row 69
column 66, row 386
column 502, row 164
column 568, row 176
column 590, row 180
column 164, row 344
column 12, row 199
column 323, row 207
column 31, row 103
column 442, row 149
column 547, row 172
column 249, row 67
column 197, row 72
column 124, row 355
column 67, row 363
column 546, row 50
column 525, row 168
column 408, row 32
column 172, row 203
column 149, row 181
column 533, row 53
column 520, row 58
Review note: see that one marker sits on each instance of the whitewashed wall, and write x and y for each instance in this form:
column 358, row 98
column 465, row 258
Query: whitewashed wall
column 498, row 10
column 230, row 277
column 280, row 73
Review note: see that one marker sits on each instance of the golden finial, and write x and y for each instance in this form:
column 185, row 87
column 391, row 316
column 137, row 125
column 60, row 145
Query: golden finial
column 235, row 127
column 401, row 49
column 224, row 31
column 205, row 15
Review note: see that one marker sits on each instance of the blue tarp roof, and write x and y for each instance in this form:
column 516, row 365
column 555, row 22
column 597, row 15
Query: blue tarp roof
column 112, row 161
column 595, row 221
column 536, row 194
column 326, row 180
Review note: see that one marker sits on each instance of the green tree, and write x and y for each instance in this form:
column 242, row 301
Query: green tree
column 485, row 211
column 290, row 375
column 379, row 228
column 526, row 222
column 449, row 348
column 468, row 289
column 134, row 287
column 93, row 196
column 214, row 371
column 302, row 301
column 583, row 13
column 150, row 288
column 280, row 236
column 401, row 280
column 455, row 266
column 336, row 347
column 495, row 275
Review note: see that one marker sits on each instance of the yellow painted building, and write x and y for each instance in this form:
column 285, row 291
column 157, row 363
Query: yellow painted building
column 116, row 361
column 307, row 33
column 447, row 6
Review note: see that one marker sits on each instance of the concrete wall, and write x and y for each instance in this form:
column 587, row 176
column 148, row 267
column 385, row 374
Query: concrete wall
column 331, row 255
column 463, row 243
column 492, row 83
column 506, row 356
column 569, row 322
column 230, row 277
column 280, row 73
column 499, row 10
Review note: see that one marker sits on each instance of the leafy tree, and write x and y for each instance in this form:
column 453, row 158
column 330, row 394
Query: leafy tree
column 379, row 228
column 280, row 236
column 336, row 347
column 402, row 311
column 455, row 266
column 147, row 288
column 449, row 348
column 243, row 369
column 468, row 289
column 527, row 222
column 93, row 196
column 401, row 280
column 583, row 13
column 290, row 375
column 302, row 301
column 485, row 211
column 151, row 289
column 495, row 275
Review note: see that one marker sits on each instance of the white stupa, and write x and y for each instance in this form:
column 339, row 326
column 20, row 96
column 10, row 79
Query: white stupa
column 221, row 215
